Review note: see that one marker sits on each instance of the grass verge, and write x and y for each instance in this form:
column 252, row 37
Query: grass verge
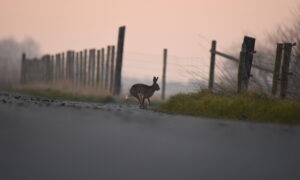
column 58, row 94
column 251, row 106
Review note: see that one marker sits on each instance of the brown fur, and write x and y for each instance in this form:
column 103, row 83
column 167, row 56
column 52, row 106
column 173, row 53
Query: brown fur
column 142, row 91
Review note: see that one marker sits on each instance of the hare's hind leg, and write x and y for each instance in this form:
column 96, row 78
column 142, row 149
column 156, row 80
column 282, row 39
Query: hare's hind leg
column 140, row 98
column 143, row 103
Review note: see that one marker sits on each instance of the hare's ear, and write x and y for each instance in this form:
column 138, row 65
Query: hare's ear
column 154, row 79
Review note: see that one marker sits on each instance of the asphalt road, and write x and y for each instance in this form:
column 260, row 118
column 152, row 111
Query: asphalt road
column 43, row 139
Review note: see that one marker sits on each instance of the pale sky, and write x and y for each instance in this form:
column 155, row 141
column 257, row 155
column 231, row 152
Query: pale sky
column 185, row 27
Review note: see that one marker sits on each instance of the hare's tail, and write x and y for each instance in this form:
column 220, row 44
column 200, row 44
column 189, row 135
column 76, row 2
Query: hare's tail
column 128, row 96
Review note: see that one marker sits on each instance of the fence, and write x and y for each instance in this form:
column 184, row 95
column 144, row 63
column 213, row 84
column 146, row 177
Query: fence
column 99, row 68
column 102, row 68
column 280, row 72
column 196, row 70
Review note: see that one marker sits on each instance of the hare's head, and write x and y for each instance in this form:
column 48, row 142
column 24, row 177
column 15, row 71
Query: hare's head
column 155, row 85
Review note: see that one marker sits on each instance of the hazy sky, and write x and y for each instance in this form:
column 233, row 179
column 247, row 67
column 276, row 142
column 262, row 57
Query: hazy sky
column 185, row 27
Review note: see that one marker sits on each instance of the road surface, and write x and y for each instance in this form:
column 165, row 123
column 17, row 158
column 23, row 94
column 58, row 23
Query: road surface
column 43, row 139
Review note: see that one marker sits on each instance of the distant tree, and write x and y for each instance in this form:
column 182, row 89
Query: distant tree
column 11, row 49
column 10, row 58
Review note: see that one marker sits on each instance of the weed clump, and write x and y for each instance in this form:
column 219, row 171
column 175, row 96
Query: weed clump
column 250, row 106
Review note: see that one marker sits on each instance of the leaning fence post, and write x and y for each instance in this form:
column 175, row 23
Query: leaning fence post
column 118, row 74
column 246, row 57
column 212, row 64
column 164, row 74
column 276, row 72
column 285, row 69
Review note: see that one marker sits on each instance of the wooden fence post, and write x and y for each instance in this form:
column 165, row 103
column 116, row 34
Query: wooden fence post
column 164, row 74
column 118, row 74
column 51, row 68
column 212, row 64
column 112, row 67
column 107, row 67
column 43, row 70
column 77, row 60
column 102, row 67
column 73, row 67
column 98, row 69
column 57, row 67
column 23, row 69
column 81, row 68
column 36, row 70
column 47, row 67
column 285, row 69
column 68, row 59
column 242, row 69
column 39, row 70
column 27, row 70
column 63, row 67
column 92, row 68
column 84, row 67
column 67, row 66
column 70, row 66
column 89, row 64
column 276, row 72
column 246, row 57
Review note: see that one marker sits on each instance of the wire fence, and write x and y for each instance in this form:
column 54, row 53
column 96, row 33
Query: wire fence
column 184, row 73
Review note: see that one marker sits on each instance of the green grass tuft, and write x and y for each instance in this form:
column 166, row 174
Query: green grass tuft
column 252, row 106
column 57, row 94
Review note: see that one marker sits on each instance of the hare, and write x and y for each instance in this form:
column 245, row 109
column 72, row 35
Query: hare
column 142, row 91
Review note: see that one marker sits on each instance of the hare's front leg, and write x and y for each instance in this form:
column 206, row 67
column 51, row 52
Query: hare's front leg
column 139, row 99
column 148, row 101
